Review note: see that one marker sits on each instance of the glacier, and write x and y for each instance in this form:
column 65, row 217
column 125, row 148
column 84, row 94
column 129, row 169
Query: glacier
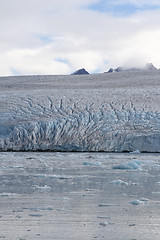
column 113, row 112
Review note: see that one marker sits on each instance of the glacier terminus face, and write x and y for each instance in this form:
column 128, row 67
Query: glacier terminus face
column 113, row 112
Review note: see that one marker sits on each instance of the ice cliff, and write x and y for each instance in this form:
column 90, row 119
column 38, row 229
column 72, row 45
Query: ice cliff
column 116, row 112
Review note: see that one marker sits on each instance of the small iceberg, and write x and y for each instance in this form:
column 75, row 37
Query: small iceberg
column 36, row 209
column 44, row 188
column 92, row 164
column 5, row 194
column 107, row 205
column 119, row 182
column 136, row 152
column 132, row 165
column 103, row 224
column 139, row 202
column 35, row 215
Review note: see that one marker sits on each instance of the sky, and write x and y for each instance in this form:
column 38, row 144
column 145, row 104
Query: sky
column 61, row 36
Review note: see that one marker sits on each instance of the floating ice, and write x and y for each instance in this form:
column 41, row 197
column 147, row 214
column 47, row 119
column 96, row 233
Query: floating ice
column 119, row 182
column 40, row 176
column 88, row 195
column 107, row 205
column 139, row 202
column 136, row 152
column 92, row 164
column 38, row 208
column 42, row 188
column 136, row 202
column 133, row 165
column 35, row 215
column 5, row 194
column 157, row 193
column 65, row 177
column 145, row 200
column 18, row 216
column 132, row 225
column 103, row 217
column 62, row 198
column 103, row 224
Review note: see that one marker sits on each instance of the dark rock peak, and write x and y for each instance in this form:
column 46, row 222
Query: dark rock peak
column 81, row 71
column 148, row 66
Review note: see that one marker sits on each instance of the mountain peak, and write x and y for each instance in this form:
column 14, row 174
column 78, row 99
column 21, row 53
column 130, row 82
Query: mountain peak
column 81, row 71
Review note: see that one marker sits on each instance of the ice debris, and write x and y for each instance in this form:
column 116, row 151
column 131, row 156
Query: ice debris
column 103, row 224
column 5, row 194
column 119, row 182
column 36, row 209
column 44, row 188
column 35, row 215
column 136, row 152
column 92, row 164
column 107, row 205
column 132, row 165
column 103, row 217
column 132, row 225
column 139, row 202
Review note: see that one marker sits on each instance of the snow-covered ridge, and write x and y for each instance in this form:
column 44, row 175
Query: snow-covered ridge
column 102, row 112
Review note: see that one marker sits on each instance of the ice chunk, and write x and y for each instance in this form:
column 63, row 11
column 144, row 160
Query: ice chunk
column 36, row 209
column 119, row 182
column 145, row 200
column 92, row 164
column 134, row 164
column 136, row 152
column 44, row 188
column 107, row 205
column 88, row 194
column 139, row 202
column 103, row 224
column 103, row 217
column 132, row 225
column 61, row 199
column 35, row 215
column 5, row 194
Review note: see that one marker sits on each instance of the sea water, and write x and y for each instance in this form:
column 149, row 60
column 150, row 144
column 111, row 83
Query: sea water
column 52, row 195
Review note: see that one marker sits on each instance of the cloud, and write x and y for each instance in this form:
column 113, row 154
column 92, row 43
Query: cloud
column 58, row 37
column 123, row 8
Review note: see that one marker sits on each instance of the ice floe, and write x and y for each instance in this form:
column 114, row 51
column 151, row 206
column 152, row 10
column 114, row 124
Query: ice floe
column 139, row 201
column 135, row 152
column 119, row 182
column 44, row 188
column 103, row 224
column 107, row 205
column 131, row 165
column 5, row 194
column 92, row 163
column 35, row 215
column 47, row 208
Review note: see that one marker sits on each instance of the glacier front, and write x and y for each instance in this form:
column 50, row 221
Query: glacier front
column 113, row 112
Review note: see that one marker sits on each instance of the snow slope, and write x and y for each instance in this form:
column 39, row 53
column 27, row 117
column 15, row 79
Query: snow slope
column 101, row 112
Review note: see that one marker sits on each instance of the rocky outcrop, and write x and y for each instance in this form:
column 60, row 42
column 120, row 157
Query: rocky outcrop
column 80, row 72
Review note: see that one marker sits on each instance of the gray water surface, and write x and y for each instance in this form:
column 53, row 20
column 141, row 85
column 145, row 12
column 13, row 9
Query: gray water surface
column 79, row 196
